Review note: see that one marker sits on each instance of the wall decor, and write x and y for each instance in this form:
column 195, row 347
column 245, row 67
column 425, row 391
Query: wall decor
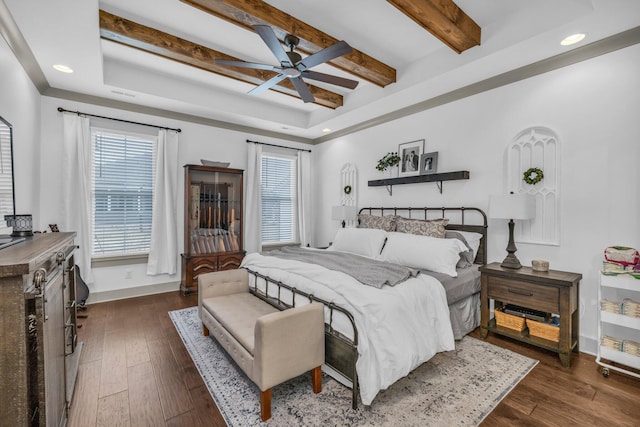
column 429, row 163
column 534, row 150
column 349, row 187
column 410, row 153
column 532, row 176
column 389, row 164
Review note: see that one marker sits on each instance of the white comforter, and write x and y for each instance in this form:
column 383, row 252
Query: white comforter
column 399, row 327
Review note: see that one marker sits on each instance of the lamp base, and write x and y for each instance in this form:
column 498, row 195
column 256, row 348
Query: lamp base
column 511, row 261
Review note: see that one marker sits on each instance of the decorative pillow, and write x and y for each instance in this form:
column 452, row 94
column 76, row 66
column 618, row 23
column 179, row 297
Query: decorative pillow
column 421, row 227
column 473, row 240
column 360, row 241
column 386, row 223
column 466, row 257
column 423, row 252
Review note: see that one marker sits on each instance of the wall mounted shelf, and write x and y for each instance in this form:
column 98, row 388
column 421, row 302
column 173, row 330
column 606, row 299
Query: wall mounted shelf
column 438, row 178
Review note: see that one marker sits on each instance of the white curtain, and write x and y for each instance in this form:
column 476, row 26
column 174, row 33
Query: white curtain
column 304, row 197
column 253, row 202
column 163, row 253
column 76, row 184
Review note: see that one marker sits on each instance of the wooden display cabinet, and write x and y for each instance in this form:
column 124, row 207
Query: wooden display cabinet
column 212, row 222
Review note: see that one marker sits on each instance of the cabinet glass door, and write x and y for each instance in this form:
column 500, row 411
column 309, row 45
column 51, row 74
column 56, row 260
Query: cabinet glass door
column 214, row 212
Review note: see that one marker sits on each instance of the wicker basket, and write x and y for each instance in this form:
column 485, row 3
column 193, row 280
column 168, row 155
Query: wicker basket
column 543, row 330
column 509, row 321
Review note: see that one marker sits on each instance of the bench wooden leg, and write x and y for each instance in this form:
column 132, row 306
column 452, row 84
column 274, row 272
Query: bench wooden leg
column 205, row 330
column 265, row 405
column 316, row 379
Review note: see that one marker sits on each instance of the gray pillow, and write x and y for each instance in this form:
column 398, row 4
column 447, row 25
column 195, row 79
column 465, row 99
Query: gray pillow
column 386, row 223
column 466, row 257
column 422, row 227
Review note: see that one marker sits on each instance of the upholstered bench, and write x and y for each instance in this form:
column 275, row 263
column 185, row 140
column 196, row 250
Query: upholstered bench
column 269, row 345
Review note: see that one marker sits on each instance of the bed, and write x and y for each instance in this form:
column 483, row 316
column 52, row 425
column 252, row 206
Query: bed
column 377, row 334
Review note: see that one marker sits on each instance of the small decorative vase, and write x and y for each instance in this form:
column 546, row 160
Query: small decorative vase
column 392, row 172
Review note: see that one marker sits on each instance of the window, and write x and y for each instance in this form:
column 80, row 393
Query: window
column 279, row 199
column 122, row 193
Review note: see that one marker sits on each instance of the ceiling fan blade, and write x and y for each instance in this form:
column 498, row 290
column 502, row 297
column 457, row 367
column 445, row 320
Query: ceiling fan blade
column 272, row 42
column 267, row 85
column 327, row 78
column 326, row 54
column 243, row 64
column 303, row 89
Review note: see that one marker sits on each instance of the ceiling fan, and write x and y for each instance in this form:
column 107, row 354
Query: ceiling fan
column 292, row 65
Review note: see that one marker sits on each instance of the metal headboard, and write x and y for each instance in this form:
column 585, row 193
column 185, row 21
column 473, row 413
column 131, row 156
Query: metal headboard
column 457, row 216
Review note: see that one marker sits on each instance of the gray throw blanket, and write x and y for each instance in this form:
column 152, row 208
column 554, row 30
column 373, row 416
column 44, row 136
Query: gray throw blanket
column 365, row 270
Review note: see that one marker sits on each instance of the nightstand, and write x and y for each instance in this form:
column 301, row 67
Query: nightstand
column 550, row 291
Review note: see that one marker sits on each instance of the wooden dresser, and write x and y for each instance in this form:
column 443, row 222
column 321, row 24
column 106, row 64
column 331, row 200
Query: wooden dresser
column 39, row 352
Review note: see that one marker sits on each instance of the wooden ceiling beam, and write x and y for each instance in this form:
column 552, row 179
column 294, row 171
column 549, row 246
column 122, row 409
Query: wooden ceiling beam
column 444, row 19
column 246, row 13
column 132, row 34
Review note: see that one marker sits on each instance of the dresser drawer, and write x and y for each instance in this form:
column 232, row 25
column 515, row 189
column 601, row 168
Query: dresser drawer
column 526, row 294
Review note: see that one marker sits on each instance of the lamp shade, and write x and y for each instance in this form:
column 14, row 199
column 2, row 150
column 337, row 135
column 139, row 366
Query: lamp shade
column 512, row 206
column 344, row 213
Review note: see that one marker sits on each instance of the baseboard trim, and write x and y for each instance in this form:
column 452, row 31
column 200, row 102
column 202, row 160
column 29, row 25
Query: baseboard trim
column 117, row 294
column 588, row 345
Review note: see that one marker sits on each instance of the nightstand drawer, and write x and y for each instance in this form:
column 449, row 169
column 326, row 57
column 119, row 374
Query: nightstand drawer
column 540, row 297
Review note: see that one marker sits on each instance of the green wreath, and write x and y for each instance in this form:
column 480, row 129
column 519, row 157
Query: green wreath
column 533, row 176
column 347, row 189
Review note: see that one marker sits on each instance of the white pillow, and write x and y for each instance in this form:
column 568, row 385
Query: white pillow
column 473, row 239
column 423, row 252
column 360, row 241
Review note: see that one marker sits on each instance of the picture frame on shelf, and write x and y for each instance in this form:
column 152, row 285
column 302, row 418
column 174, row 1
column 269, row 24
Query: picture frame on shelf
column 429, row 163
column 410, row 153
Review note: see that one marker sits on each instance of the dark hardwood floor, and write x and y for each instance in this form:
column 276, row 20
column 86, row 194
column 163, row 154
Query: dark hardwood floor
column 135, row 371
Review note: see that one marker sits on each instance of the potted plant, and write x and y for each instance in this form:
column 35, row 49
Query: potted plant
column 388, row 163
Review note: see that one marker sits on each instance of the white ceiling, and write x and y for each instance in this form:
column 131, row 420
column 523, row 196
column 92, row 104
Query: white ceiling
column 514, row 33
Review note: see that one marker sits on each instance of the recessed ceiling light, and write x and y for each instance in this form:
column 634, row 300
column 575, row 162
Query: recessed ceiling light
column 325, row 130
column 63, row 68
column 572, row 39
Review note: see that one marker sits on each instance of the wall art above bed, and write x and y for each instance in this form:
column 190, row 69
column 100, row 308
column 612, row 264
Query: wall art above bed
column 410, row 153
column 429, row 163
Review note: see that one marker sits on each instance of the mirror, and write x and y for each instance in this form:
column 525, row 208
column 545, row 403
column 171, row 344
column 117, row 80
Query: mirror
column 7, row 192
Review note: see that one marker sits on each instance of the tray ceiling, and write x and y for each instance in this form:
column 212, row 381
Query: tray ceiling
column 158, row 54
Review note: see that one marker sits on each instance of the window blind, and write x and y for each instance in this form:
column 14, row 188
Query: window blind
column 122, row 196
column 279, row 199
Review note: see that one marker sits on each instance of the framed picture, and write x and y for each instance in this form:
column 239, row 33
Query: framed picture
column 410, row 153
column 428, row 163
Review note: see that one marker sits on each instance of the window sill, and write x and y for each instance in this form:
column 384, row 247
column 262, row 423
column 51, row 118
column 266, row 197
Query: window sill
column 114, row 261
column 273, row 246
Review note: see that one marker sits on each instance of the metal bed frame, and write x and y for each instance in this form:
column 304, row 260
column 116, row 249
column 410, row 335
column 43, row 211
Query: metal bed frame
column 341, row 353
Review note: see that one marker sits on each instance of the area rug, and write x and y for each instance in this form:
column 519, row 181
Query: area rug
column 456, row 388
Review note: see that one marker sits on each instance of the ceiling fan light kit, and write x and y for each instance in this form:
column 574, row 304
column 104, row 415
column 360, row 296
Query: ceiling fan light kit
column 293, row 66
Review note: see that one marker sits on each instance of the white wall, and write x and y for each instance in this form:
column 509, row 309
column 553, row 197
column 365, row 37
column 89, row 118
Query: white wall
column 593, row 106
column 20, row 106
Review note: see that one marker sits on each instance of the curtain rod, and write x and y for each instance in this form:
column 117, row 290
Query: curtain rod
column 279, row 146
column 62, row 110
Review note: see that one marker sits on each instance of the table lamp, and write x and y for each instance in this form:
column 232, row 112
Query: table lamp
column 344, row 213
column 512, row 206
